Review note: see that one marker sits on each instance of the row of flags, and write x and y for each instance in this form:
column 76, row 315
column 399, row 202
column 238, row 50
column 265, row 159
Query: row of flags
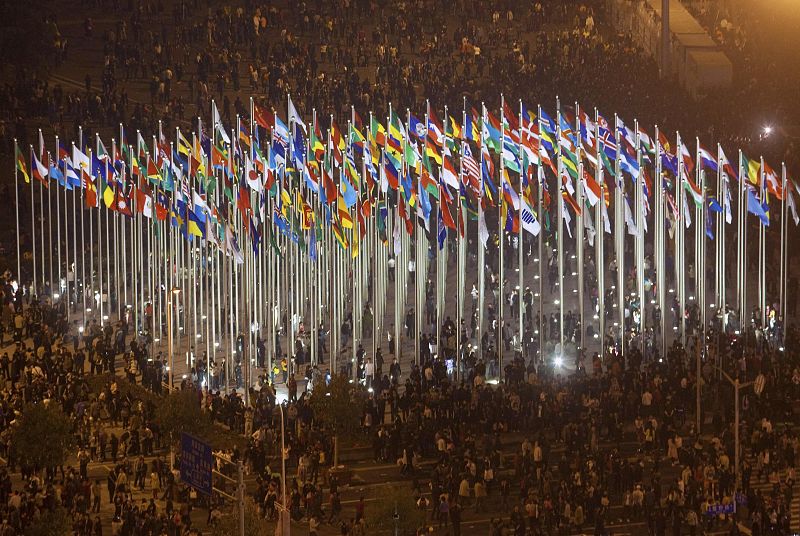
column 266, row 177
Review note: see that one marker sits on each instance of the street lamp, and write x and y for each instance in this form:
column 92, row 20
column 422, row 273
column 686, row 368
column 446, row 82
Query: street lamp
column 284, row 523
column 174, row 291
column 736, row 387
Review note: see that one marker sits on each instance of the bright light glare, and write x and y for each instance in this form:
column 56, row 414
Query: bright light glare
column 558, row 362
column 767, row 130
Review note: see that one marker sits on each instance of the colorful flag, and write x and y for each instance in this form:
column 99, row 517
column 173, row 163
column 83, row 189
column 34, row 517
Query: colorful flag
column 20, row 163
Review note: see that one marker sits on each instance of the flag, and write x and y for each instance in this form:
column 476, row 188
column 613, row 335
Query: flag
column 20, row 163
column 338, row 233
column 57, row 176
column 629, row 221
column 590, row 231
column 449, row 174
column 592, row 188
column 232, row 245
column 694, row 190
column 773, row 182
column 728, row 213
column 726, row 165
column 294, row 116
column 218, row 126
column 263, row 117
column 707, row 159
column 528, row 218
column 790, row 202
column 144, row 202
column 344, row 214
column 444, row 210
column 312, row 250
column 565, row 213
column 756, row 207
column 483, row 232
column 162, row 206
column 441, row 232
column 38, row 169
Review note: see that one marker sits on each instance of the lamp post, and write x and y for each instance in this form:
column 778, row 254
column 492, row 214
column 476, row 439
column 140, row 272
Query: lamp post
column 174, row 291
column 737, row 386
column 285, row 524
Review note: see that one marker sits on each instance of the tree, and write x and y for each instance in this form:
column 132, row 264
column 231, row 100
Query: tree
column 55, row 523
column 180, row 412
column 42, row 437
column 394, row 504
column 254, row 524
column 338, row 407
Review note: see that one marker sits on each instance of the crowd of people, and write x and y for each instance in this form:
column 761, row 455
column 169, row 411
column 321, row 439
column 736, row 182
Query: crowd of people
column 540, row 451
column 544, row 450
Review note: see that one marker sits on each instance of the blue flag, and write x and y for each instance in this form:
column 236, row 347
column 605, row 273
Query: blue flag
column 754, row 206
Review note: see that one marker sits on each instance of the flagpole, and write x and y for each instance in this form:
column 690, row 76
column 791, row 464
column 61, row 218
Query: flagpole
column 521, row 242
column 619, row 238
column 41, row 229
column 762, row 260
column 501, row 235
column 660, row 245
column 600, row 262
column 579, row 232
column 462, row 232
column 83, row 247
column 641, row 226
column 784, row 264
column 33, row 233
column 42, row 186
column 722, row 302
column 679, row 246
column 58, row 235
column 66, row 245
column 16, row 214
column 700, row 238
column 481, row 244
column 540, row 175
column 99, row 231
column 742, row 250
column 560, row 231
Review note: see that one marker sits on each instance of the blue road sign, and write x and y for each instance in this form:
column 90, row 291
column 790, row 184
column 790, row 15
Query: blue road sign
column 196, row 463
column 716, row 509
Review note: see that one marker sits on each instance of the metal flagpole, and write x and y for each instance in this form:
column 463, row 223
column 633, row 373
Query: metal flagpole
column 700, row 237
column 641, row 225
column 89, row 217
column 501, row 236
column 41, row 228
column 788, row 186
column 743, row 248
column 762, row 256
column 600, row 240
column 619, row 237
column 680, row 260
column 719, row 247
column 57, row 285
column 540, row 175
column 660, row 245
column 521, row 242
column 560, row 231
column 481, row 244
column 100, row 231
column 16, row 214
column 579, row 230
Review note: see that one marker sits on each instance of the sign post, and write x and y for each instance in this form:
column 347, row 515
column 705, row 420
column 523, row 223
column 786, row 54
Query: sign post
column 196, row 463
